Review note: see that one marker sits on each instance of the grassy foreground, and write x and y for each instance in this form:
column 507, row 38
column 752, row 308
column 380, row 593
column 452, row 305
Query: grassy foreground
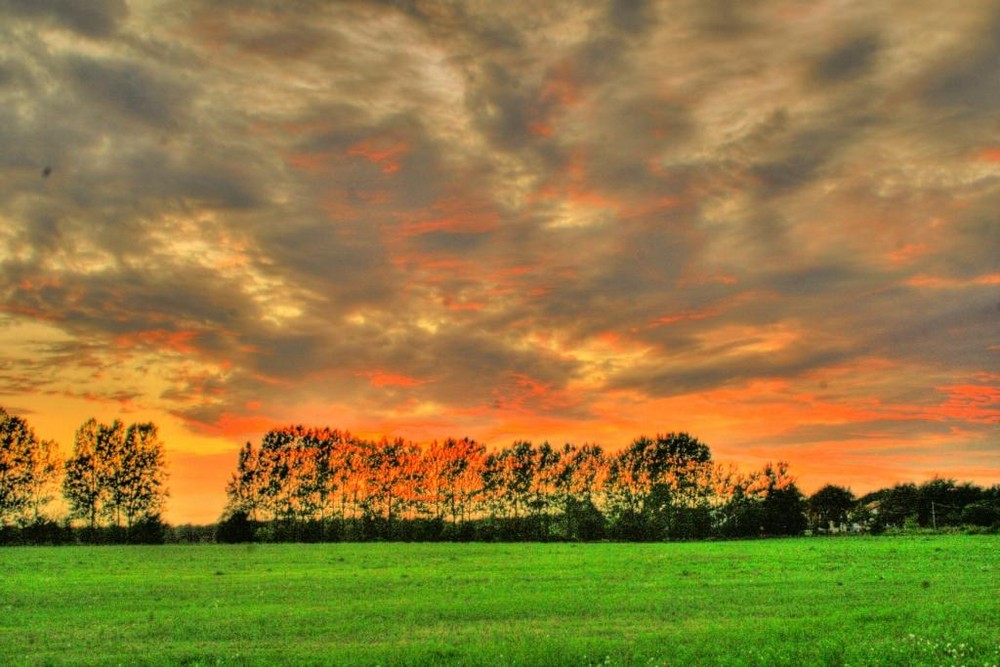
column 859, row 601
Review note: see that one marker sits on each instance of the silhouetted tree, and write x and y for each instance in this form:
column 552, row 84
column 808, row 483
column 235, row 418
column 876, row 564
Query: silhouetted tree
column 784, row 506
column 830, row 506
column 392, row 478
column 139, row 478
column 652, row 476
column 87, row 472
column 981, row 513
column 243, row 494
column 451, row 477
column 894, row 506
column 28, row 470
column 940, row 502
column 235, row 527
column 115, row 473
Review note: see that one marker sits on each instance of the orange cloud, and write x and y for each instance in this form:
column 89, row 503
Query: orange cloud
column 924, row 280
column 314, row 162
column 159, row 339
column 909, row 252
column 971, row 402
column 235, row 426
column 990, row 155
column 685, row 316
column 380, row 378
column 385, row 152
column 455, row 213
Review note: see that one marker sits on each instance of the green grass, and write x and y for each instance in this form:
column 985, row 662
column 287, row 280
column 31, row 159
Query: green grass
column 858, row 601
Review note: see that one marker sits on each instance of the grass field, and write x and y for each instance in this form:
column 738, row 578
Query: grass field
column 858, row 601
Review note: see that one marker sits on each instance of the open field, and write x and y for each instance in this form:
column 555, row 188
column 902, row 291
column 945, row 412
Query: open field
column 895, row 601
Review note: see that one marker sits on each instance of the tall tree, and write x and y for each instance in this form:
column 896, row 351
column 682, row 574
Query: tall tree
column 28, row 468
column 139, row 489
column 653, row 476
column 85, row 483
column 115, row 473
column 519, row 467
column 392, row 468
column 784, row 506
column 44, row 483
column 243, row 492
column 450, row 476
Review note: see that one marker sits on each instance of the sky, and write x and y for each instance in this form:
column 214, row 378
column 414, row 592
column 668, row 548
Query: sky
column 772, row 224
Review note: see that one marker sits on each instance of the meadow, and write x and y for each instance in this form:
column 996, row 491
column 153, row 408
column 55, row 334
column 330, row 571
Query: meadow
column 927, row 600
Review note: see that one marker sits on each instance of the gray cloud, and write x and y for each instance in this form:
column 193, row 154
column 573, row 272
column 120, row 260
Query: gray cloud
column 96, row 19
column 971, row 80
column 848, row 61
column 131, row 90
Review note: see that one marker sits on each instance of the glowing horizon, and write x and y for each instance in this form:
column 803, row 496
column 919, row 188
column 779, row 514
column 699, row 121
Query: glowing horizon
column 772, row 226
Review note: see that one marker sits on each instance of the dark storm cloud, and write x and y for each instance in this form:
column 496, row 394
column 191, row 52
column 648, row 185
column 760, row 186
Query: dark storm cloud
column 288, row 41
column 971, row 79
column 451, row 242
column 848, row 61
column 727, row 365
column 924, row 329
column 350, row 270
column 93, row 18
column 631, row 16
column 802, row 155
column 815, row 280
column 724, row 18
column 127, row 301
column 131, row 90
column 972, row 248
column 504, row 107
column 468, row 366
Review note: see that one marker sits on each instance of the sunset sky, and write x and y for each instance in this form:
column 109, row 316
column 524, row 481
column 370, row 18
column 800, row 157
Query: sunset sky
column 770, row 223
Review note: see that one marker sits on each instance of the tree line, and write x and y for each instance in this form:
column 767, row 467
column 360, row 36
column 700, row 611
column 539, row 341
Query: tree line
column 113, row 485
column 323, row 484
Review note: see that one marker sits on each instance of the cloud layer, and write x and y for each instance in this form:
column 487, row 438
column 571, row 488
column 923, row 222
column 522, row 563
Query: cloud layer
column 770, row 223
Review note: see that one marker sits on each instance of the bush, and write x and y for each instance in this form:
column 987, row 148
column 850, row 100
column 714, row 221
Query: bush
column 235, row 528
column 983, row 514
column 191, row 534
column 150, row 530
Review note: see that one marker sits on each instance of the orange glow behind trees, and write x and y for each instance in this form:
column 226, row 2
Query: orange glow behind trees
column 667, row 486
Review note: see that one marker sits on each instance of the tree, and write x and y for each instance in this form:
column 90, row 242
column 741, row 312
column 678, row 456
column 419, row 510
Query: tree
column 85, row 484
column 940, row 502
column 981, row 513
column 783, row 509
column 115, row 473
column 450, row 472
column 391, row 467
column 895, row 506
column 28, row 470
column 139, row 478
column 653, row 477
column 243, row 490
column 518, row 465
column 830, row 506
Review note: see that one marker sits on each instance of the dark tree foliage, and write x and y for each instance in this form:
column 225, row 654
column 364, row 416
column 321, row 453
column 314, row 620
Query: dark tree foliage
column 830, row 507
column 237, row 527
column 783, row 512
column 894, row 506
column 320, row 484
column 28, row 472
